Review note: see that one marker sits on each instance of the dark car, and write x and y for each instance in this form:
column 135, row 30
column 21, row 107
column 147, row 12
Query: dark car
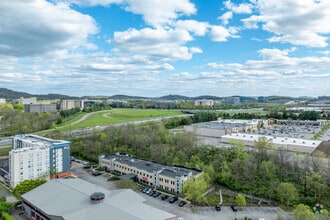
column 182, row 203
column 95, row 173
column 156, row 194
column 87, row 166
column 173, row 199
column 151, row 193
column 218, row 207
column 164, row 197
column 234, row 208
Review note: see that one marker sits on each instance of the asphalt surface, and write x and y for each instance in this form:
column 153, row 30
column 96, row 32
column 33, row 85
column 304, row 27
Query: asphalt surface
column 188, row 212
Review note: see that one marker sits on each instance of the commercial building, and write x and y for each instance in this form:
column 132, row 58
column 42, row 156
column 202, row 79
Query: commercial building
column 23, row 101
column 40, row 108
column 204, row 102
column 233, row 100
column 34, row 157
column 69, row 104
column 289, row 144
column 161, row 176
column 73, row 199
column 222, row 127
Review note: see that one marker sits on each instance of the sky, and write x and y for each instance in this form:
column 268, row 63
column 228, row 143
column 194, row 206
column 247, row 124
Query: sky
column 154, row 48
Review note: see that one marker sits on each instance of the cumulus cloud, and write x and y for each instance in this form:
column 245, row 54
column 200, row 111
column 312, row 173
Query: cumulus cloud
column 196, row 27
column 226, row 17
column 156, row 44
column 37, row 26
column 296, row 22
column 221, row 34
column 243, row 8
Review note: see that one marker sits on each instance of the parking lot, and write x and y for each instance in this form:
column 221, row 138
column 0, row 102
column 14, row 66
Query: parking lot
column 187, row 211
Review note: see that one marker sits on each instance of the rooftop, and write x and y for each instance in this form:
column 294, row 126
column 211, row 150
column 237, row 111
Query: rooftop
column 54, row 196
column 39, row 141
column 275, row 140
column 149, row 166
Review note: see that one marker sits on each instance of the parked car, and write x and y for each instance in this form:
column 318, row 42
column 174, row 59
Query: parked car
column 234, row 208
column 87, row 166
column 152, row 192
column 156, row 194
column 164, row 197
column 148, row 191
column 173, row 199
column 182, row 203
column 95, row 173
column 144, row 190
column 218, row 207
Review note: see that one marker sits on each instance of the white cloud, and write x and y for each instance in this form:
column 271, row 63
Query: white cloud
column 295, row 21
column 35, row 27
column 219, row 33
column 166, row 11
column 243, row 8
column 225, row 17
column 196, row 27
column 155, row 44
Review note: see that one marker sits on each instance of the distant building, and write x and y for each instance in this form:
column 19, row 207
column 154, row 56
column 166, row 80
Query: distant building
column 23, row 101
column 34, row 157
column 222, row 127
column 2, row 101
column 234, row 100
column 289, row 144
column 69, row 104
column 40, row 108
column 73, row 199
column 161, row 176
column 204, row 102
column 261, row 99
column 323, row 98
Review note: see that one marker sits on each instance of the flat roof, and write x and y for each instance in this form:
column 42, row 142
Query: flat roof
column 274, row 139
column 149, row 166
column 70, row 199
column 218, row 125
column 39, row 141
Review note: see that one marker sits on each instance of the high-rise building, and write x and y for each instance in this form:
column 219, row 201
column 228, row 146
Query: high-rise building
column 35, row 157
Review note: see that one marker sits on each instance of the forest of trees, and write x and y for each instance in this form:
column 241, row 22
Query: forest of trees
column 264, row 173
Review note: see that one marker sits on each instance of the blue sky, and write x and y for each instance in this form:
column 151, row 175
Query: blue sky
column 159, row 47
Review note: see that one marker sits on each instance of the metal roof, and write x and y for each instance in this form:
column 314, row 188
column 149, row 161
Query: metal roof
column 70, row 199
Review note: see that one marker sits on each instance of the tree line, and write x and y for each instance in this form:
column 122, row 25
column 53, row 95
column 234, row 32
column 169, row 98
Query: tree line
column 265, row 173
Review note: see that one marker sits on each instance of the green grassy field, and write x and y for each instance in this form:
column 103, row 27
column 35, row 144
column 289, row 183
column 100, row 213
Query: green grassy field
column 5, row 151
column 114, row 116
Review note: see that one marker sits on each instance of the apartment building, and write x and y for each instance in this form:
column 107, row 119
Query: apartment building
column 156, row 175
column 24, row 101
column 40, row 108
column 2, row 101
column 69, row 104
column 35, row 157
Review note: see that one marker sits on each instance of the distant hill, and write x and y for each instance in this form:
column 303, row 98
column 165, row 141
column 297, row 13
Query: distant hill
column 127, row 97
column 11, row 94
column 174, row 97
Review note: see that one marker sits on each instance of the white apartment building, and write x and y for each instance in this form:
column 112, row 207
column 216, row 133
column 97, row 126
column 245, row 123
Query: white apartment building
column 2, row 101
column 35, row 157
column 156, row 175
